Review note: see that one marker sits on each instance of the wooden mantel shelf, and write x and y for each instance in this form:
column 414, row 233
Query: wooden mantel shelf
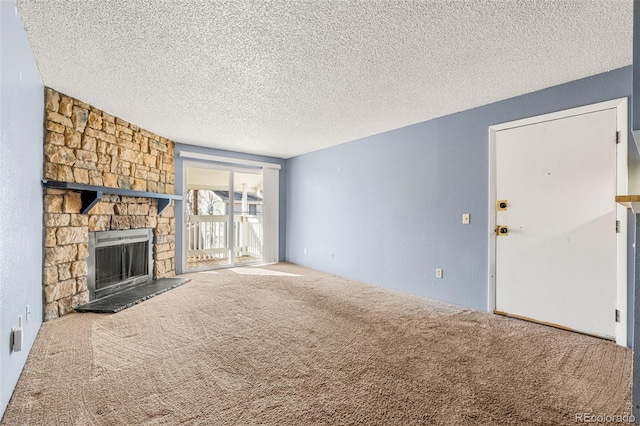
column 629, row 201
column 91, row 194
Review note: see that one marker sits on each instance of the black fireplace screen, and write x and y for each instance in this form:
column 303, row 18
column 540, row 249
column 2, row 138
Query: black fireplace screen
column 119, row 263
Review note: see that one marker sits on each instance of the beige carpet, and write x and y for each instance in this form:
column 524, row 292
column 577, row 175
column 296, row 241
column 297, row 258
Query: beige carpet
column 237, row 349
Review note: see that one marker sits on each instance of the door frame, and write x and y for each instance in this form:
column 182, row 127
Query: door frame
column 231, row 168
column 622, row 172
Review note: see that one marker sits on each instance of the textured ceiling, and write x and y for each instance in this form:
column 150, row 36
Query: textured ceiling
column 284, row 78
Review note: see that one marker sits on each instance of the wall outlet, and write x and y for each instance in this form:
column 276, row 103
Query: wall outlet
column 438, row 273
column 466, row 218
column 16, row 339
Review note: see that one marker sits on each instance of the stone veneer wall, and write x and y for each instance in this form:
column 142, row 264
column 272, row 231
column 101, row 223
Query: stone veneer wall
column 85, row 145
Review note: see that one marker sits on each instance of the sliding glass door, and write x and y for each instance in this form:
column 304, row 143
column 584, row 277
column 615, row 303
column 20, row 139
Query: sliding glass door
column 223, row 216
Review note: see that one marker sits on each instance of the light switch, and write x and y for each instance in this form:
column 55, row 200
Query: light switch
column 466, row 218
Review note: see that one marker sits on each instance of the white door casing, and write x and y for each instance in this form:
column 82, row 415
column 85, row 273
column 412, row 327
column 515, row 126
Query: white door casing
column 271, row 214
column 562, row 262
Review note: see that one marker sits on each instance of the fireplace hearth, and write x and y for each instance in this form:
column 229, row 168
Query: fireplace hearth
column 120, row 270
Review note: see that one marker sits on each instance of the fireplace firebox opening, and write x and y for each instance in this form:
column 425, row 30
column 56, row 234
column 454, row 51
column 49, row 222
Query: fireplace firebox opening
column 119, row 260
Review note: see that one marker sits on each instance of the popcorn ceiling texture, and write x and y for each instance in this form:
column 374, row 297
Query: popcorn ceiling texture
column 85, row 145
column 283, row 78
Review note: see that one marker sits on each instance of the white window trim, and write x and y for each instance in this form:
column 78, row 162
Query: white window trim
column 226, row 160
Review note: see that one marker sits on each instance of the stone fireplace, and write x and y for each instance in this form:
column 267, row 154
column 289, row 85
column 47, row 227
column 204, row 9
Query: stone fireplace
column 86, row 146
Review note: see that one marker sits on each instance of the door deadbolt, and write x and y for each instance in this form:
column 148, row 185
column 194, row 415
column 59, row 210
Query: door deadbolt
column 502, row 231
column 501, row 205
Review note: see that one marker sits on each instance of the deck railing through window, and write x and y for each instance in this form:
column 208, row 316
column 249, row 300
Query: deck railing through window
column 207, row 238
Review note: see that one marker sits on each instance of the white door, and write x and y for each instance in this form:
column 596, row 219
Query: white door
column 558, row 262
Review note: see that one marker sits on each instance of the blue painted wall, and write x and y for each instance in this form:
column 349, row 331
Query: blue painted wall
column 231, row 155
column 389, row 207
column 21, row 136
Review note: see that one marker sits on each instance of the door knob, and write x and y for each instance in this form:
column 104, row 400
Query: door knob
column 502, row 231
